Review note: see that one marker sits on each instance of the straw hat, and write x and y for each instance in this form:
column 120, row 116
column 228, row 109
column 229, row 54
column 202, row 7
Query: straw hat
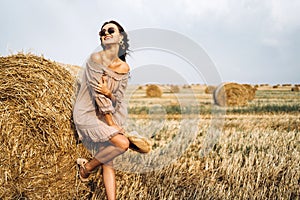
column 138, row 143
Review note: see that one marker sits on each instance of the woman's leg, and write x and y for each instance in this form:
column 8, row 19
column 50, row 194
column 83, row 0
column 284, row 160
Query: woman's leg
column 117, row 145
column 120, row 141
column 109, row 180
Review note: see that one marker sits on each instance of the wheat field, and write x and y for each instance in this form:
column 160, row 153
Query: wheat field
column 199, row 150
column 256, row 156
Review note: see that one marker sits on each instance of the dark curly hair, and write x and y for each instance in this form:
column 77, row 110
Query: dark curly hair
column 122, row 52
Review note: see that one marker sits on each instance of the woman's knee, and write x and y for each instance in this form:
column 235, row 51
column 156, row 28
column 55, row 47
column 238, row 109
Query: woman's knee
column 121, row 141
column 124, row 143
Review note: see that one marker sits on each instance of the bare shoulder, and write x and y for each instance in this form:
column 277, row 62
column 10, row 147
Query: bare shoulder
column 96, row 57
column 124, row 67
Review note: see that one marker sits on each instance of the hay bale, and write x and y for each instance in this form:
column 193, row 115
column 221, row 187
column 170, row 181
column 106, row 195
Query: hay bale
column 276, row 86
column 295, row 89
column 286, row 85
column 73, row 69
column 38, row 147
column 209, row 89
column 140, row 87
column 231, row 94
column 264, row 85
column 186, row 86
column 250, row 91
column 153, row 91
column 174, row 89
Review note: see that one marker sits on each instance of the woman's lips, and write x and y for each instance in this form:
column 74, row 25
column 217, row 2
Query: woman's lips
column 107, row 37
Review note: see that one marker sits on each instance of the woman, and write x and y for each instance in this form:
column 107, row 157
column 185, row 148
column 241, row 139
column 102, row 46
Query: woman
column 99, row 110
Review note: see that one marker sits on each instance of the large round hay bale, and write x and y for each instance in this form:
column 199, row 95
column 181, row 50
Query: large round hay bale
column 153, row 91
column 231, row 94
column 37, row 144
column 250, row 91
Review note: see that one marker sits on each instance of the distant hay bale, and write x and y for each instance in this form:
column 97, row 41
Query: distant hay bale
column 38, row 147
column 209, row 89
column 287, row 85
column 275, row 86
column 153, row 91
column 232, row 94
column 140, row 87
column 295, row 89
column 186, row 86
column 264, row 85
column 174, row 89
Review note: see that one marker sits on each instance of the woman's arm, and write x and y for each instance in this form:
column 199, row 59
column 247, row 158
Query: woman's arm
column 93, row 75
column 102, row 89
column 110, row 122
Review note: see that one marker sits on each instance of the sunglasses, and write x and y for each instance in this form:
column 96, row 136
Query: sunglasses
column 110, row 31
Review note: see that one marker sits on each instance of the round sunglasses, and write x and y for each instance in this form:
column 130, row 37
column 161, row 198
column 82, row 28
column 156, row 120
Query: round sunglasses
column 110, row 31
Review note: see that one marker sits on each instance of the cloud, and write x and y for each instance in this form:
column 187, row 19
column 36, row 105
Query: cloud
column 204, row 9
column 240, row 36
column 265, row 15
column 272, row 42
column 285, row 15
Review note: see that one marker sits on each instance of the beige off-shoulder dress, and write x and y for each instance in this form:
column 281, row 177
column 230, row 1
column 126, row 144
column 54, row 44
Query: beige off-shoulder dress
column 90, row 106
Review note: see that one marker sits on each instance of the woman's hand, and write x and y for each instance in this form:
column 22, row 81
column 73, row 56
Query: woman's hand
column 102, row 87
column 118, row 128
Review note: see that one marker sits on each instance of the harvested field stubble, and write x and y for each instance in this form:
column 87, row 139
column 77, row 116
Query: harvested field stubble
column 38, row 147
column 247, row 163
column 256, row 157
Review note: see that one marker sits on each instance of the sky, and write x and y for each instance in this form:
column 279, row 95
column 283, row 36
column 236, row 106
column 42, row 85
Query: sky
column 248, row 41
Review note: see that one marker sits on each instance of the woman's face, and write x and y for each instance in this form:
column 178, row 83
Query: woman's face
column 110, row 34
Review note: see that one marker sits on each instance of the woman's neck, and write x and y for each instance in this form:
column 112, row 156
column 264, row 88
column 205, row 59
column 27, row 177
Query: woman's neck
column 111, row 52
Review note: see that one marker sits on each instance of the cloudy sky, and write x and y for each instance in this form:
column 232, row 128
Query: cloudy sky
column 249, row 41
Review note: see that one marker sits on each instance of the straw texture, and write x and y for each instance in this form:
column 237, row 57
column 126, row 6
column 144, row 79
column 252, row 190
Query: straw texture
column 38, row 144
column 233, row 94
column 153, row 91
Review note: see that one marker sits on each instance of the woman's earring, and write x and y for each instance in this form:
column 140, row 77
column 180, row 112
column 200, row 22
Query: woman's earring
column 122, row 44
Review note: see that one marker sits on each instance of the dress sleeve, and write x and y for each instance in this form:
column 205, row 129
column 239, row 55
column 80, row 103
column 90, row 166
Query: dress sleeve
column 103, row 104
column 119, row 94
